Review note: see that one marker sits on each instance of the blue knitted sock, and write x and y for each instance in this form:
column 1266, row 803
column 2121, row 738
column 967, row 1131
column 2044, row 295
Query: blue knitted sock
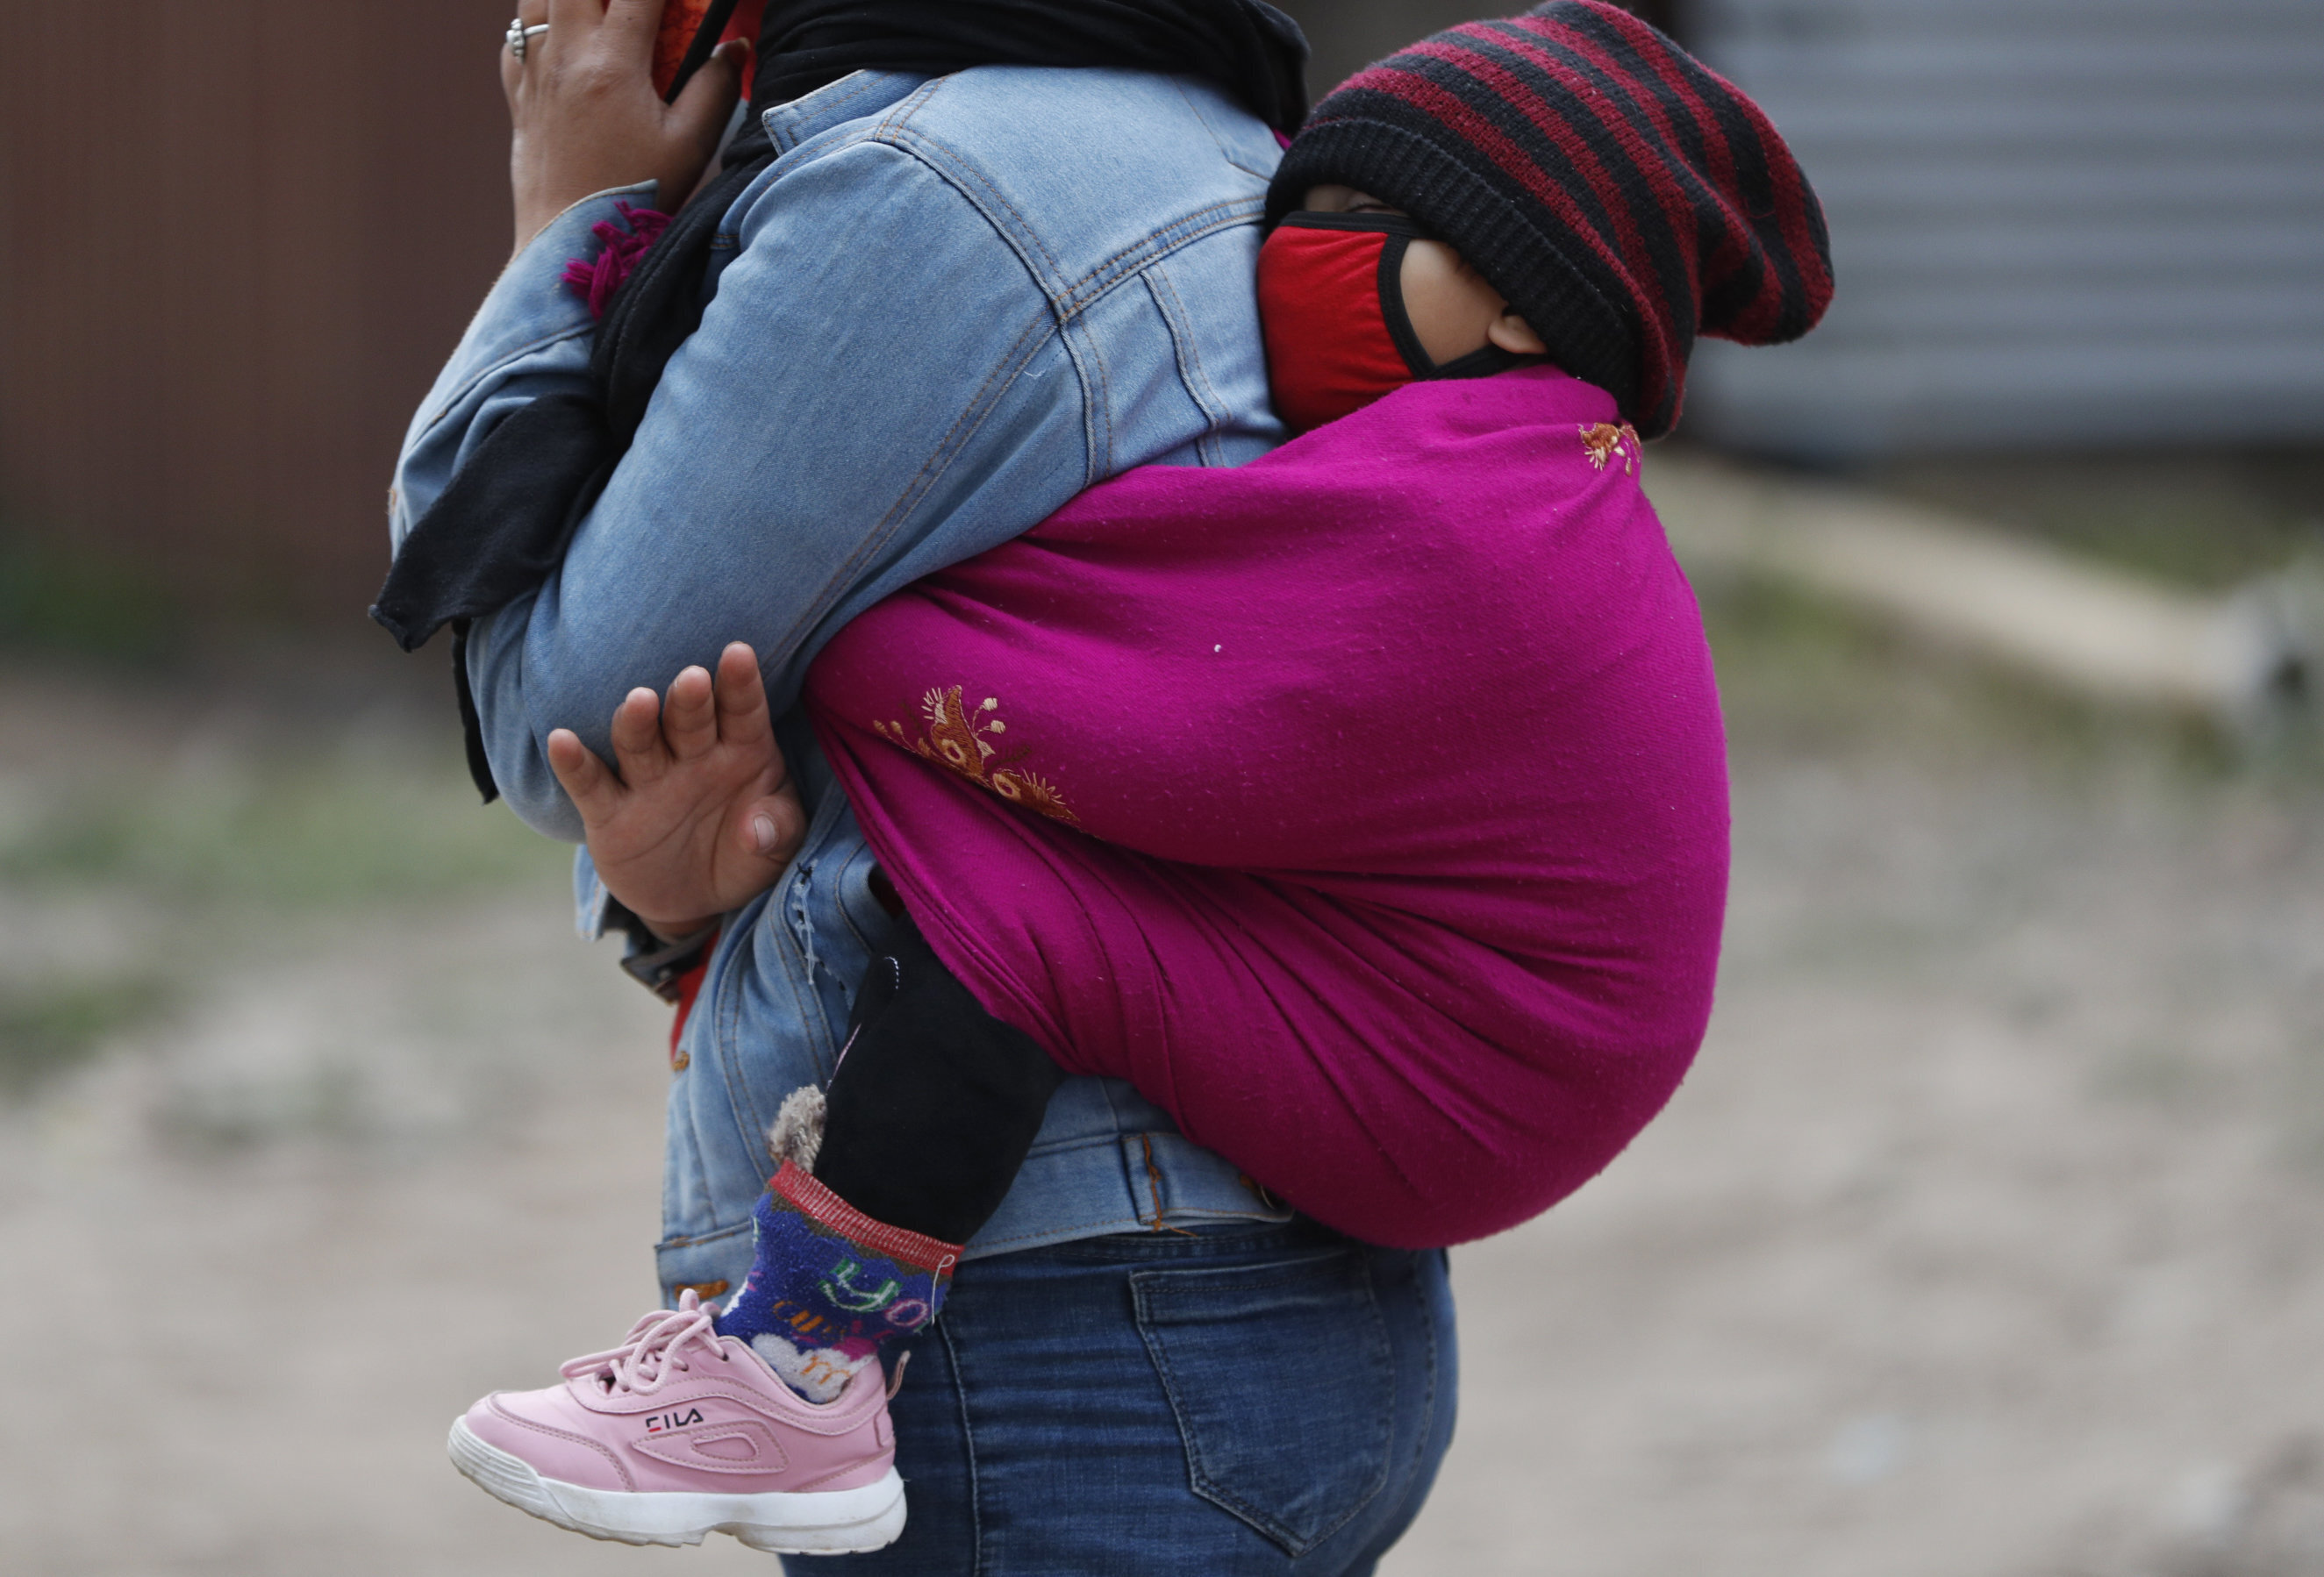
column 829, row 1285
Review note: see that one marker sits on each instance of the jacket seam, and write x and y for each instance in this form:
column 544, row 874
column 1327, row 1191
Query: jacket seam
column 1097, row 413
column 1065, row 295
column 1162, row 243
column 975, row 413
column 1225, row 152
column 1068, row 301
column 829, row 121
column 894, row 132
column 1206, row 399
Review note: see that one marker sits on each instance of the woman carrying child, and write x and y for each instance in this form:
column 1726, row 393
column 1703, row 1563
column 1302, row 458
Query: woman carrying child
column 1409, row 907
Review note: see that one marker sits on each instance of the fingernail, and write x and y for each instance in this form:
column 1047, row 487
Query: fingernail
column 762, row 832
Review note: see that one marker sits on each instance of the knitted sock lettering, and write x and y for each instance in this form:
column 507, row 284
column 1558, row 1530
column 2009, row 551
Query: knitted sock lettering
column 829, row 1285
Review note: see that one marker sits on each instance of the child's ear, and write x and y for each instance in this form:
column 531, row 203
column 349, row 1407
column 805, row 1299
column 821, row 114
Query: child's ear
column 1513, row 335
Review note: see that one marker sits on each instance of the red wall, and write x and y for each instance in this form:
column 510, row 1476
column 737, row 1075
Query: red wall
column 240, row 236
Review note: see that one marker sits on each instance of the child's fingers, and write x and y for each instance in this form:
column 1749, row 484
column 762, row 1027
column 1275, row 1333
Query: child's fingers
column 689, row 718
column 742, row 697
column 592, row 789
column 638, row 753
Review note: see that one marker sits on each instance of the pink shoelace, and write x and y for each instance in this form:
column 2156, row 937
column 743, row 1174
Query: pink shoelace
column 655, row 1348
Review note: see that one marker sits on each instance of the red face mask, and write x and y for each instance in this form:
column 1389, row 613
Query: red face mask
column 1330, row 307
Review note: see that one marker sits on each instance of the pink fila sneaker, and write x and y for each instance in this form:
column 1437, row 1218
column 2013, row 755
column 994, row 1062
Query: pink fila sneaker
column 679, row 1432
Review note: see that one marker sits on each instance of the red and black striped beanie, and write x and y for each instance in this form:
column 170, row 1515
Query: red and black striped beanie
column 1619, row 194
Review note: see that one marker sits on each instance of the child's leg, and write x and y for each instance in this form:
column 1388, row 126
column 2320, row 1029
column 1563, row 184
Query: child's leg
column 934, row 1102
column 929, row 1114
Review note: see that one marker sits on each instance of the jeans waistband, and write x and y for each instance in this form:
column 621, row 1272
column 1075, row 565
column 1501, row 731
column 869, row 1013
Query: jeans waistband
column 1079, row 1188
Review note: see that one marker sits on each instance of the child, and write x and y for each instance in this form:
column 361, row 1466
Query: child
column 1364, row 805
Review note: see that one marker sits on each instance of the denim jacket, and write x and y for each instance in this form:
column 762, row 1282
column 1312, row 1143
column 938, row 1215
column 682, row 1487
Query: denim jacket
column 950, row 305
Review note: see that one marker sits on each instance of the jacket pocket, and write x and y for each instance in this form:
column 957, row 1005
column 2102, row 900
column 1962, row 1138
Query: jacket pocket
column 1232, row 1345
column 713, row 1265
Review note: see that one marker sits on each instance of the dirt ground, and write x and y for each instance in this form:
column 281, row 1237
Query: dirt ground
column 1986, row 1240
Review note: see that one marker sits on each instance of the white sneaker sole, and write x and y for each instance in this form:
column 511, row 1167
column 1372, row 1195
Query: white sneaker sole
column 825, row 1522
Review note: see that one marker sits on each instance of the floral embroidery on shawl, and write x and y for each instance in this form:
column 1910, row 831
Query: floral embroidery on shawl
column 963, row 740
column 1604, row 441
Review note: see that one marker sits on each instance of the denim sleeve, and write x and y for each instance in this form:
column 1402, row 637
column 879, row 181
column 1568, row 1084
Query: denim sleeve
column 877, row 389
column 531, row 337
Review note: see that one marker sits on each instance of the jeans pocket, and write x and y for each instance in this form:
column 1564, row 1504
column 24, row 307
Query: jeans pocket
column 1284, row 1385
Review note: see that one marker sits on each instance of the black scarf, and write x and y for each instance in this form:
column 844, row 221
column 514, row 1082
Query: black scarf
column 502, row 523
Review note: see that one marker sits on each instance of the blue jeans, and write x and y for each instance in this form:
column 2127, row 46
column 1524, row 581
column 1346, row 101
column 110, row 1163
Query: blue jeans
column 1228, row 1401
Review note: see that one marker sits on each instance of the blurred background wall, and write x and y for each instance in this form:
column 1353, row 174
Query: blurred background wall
column 2095, row 224
column 244, row 234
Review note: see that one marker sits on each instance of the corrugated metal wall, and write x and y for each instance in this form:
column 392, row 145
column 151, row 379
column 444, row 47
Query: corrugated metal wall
column 241, row 234
column 1349, row 34
column 2100, row 222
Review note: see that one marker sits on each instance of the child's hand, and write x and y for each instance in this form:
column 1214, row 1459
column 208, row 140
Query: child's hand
column 703, row 817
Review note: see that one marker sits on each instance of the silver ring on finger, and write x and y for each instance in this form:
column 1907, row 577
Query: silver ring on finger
column 520, row 37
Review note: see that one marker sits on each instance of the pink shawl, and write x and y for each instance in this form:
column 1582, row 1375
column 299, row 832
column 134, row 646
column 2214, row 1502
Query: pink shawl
column 1365, row 806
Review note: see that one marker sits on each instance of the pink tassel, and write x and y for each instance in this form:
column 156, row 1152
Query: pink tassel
column 597, row 281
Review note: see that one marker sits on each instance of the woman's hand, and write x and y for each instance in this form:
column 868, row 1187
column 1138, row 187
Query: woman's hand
column 703, row 817
column 586, row 114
